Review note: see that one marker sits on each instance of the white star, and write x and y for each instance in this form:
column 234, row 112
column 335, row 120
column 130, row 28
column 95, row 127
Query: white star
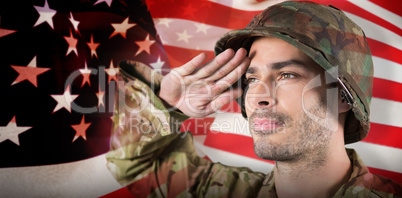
column 74, row 22
column 5, row 32
column 11, row 131
column 65, row 100
column 202, row 28
column 92, row 45
column 121, row 28
column 45, row 15
column 112, row 71
column 183, row 36
column 86, row 73
column 30, row 72
column 100, row 95
column 81, row 129
column 72, row 44
column 165, row 21
column 144, row 45
column 109, row 2
column 158, row 64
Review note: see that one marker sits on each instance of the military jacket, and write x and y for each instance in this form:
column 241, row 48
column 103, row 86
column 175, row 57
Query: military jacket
column 152, row 158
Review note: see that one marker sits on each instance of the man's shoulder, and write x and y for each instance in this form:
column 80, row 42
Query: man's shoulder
column 363, row 183
column 372, row 185
column 227, row 181
column 381, row 184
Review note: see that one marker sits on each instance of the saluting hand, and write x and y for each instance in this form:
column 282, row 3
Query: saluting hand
column 201, row 90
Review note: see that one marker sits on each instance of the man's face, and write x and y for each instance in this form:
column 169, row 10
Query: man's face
column 279, row 106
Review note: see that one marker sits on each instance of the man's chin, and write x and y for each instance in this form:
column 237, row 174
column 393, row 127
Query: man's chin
column 272, row 151
column 263, row 151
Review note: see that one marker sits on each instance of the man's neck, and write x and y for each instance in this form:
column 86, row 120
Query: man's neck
column 313, row 177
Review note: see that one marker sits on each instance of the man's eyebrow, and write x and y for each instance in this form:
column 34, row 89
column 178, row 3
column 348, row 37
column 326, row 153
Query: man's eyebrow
column 278, row 65
column 250, row 70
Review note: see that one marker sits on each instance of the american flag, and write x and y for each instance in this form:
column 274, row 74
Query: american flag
column 58, row 70
column 41, row 34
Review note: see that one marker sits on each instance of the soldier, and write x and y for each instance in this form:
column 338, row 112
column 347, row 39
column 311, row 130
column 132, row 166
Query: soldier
column 302, row 73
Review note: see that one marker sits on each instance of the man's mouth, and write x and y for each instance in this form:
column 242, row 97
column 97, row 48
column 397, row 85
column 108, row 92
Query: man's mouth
column 266, row 125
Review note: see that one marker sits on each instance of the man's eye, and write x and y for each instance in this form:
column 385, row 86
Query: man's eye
column 251, row 80
column 285, row 76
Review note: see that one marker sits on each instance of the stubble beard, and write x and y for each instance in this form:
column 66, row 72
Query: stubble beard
column 306, row 140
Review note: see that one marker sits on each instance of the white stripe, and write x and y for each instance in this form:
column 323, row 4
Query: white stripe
column 198, row 41
column 379, row 11
column 247, row 5
column 378, row 156
column 86, row 178
column 377, row 32
column 387, row 70
column 386, row 112
column 232, row 159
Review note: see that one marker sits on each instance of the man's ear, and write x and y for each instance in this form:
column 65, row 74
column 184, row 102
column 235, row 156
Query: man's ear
column 343, row 105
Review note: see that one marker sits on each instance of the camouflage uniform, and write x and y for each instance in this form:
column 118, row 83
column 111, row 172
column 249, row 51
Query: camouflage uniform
column 152, row 158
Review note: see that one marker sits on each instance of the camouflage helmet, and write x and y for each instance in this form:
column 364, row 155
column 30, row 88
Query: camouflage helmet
column 330, row 38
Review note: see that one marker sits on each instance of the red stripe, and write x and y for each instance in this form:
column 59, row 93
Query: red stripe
column 387, row 89
column 385, row 135
column 202, row 11
column 385, row 51
column 390, row 5
column 122, row 192
column 389, row 174
column 207, row 158
column 179, row 56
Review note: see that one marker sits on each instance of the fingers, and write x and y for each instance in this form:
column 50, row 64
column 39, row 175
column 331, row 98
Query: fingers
column 231, row 78
column 229, row 66
column 190, row 66
column 223, row 99
column 220, row 60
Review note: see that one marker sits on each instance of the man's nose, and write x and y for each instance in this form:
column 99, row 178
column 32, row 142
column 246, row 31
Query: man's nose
column 262, row 96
